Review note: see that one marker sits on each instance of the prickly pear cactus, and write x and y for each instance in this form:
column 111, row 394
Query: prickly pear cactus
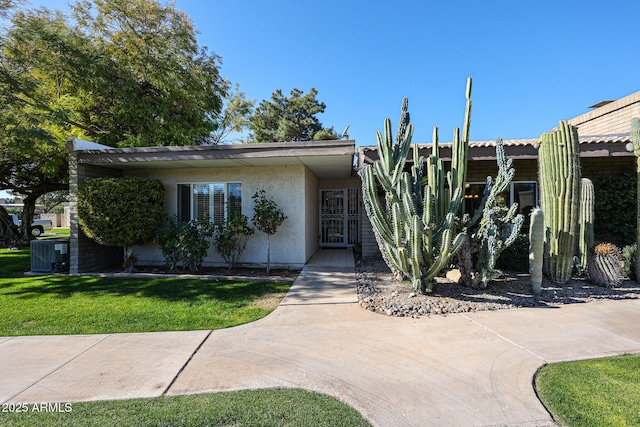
column 605, row 265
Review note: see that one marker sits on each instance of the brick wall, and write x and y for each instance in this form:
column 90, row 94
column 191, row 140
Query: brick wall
column 614, row 117
column 592, row 167
column 478, row 170
column 370, row 248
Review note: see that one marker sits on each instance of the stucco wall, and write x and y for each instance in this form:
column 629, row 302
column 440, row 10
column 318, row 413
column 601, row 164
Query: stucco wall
column 312, row 214
column 286, row 185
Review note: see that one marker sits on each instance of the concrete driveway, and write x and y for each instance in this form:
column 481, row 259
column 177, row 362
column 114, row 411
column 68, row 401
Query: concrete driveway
column 465, row 369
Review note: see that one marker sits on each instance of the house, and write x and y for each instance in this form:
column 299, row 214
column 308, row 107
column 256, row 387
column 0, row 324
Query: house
column 315, row 183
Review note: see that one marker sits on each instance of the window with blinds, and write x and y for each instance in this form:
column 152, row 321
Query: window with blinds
column 213, row 200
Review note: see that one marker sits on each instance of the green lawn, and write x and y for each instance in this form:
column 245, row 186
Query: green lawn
column 60, row 305
column 598, row 392
column 57, row 233
column 271, row 407
column 65, row 305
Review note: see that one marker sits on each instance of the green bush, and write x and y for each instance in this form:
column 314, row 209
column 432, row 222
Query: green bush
column 185, row 243
column 516, row 257
column 230, row 238
column 615, row 208
column 122, row 212
column 629, row 261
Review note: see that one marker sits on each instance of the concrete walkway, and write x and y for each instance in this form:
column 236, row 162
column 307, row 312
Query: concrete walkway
column 468, row 370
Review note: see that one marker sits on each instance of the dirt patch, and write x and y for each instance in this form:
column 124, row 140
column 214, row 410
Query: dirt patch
column 268, row 301
column 380, row 293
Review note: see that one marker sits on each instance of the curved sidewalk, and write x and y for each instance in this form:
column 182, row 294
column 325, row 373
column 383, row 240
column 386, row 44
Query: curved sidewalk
column 473, row 369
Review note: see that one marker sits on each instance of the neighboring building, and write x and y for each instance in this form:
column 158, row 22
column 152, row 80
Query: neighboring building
column 609, row 117
column 316, row 184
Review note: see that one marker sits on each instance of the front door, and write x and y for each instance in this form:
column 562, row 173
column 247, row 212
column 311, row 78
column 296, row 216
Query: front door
column 339, row 217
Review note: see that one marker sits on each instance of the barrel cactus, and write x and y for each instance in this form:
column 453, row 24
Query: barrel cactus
column 605, row 265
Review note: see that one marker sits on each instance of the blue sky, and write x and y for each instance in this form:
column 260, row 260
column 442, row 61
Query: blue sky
column 532, row 63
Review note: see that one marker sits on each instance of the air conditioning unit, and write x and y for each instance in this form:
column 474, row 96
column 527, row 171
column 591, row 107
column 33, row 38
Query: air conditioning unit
column 50, row 256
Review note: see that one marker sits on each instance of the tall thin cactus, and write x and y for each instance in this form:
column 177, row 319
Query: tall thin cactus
column 635, row 135
column 415, row 221
column 536, row 249
column 586, row 239
column 559, row 166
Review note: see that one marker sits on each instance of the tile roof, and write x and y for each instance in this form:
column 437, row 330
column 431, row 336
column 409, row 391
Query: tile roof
column 588, row 139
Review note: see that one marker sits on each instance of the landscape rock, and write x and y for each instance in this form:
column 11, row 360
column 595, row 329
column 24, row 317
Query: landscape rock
column 379, row 292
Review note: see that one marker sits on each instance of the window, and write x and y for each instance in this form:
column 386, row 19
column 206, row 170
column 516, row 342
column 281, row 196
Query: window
column 524, row 193
column 215, row 200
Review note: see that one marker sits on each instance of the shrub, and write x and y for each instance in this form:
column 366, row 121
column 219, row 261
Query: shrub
column 615, row 208
column 516, row 257
column 629, row 261
column 193, row 243
column 185, row 243
column 230, row 238
column 122, row 212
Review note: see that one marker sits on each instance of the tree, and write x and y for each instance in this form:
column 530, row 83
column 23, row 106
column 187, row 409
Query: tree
column 267, row 217
column 36, row 103
column 235, row 116
column 122, row 212
column 50, row 201
column 289, row 119
column 121, row 73
column 167, row 90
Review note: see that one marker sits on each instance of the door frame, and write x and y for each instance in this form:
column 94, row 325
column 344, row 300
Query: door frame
column 346, row 225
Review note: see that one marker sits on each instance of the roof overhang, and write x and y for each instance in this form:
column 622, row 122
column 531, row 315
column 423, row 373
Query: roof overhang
column 325, row 159
column 517, row 149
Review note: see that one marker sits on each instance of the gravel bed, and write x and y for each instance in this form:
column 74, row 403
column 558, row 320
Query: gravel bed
column 380, row 293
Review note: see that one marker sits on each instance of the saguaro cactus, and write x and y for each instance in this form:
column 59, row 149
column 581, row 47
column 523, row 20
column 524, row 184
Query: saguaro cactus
column 559, row 166
column 586, row 239
column 536, row 249
column 415, row 221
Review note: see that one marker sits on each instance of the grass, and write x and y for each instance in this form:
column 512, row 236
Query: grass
column 65, row 305
column 57, row 232
column 271, row 407
column 598, row 392
column 62, row 305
